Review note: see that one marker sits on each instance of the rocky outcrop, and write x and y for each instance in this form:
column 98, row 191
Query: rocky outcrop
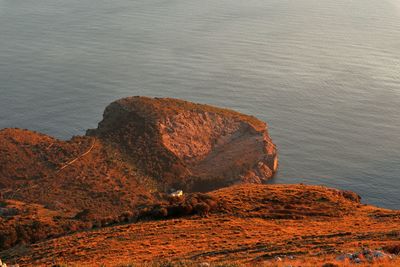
column 52, row 192
column 142, row 148
column 190, row 146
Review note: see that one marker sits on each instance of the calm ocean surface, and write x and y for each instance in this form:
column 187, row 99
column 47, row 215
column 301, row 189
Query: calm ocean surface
column 325, row 74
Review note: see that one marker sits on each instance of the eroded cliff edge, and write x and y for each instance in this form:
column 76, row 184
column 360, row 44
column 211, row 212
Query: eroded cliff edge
column 190, row 146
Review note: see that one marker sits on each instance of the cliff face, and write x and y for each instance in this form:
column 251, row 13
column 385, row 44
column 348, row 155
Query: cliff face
column 191, row 146
column 142, row 146
column 51, row 189
column 176, row 144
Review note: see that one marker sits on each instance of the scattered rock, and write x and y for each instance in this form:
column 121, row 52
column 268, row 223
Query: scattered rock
column 367, row 254
column 379, row 254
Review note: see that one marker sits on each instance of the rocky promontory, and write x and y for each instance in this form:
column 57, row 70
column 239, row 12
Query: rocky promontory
column 191, row 146
column 101, row 198
column 142, row 148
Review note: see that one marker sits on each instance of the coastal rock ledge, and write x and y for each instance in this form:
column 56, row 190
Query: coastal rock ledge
column 189, row 146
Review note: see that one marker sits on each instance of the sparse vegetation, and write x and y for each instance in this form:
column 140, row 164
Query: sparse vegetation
column 172, row 207
column 106, row 207
column 393, row 249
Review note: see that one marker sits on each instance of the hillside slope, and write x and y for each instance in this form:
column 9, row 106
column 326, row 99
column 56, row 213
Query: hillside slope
column 104, row 198
column 34, row 169
column 142, row 148
column 257, row 223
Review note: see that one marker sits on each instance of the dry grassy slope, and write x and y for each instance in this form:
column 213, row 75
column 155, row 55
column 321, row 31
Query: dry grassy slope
column 36, row 170
column 108, row 178
column 187, row 145
column 287, row 202
column 46, row 181
column 250, row 229
column 102, row 180
column 141, row 146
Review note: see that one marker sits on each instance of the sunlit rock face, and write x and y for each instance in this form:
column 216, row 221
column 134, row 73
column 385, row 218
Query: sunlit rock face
column 191, row 146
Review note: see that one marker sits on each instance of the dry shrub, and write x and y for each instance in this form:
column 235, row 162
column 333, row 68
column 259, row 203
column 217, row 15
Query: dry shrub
column 31, row 231
column 393, row 249
column 3, row 203
column 13, row 232
column 202, row 208
column 351, row 196
column 84, row 215
column 171, row 207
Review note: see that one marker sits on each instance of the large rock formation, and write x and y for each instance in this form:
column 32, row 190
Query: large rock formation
column 50, row 189
column 191, row 146
column 143, row 146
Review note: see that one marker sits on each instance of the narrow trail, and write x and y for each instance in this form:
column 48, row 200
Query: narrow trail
column 81, row 156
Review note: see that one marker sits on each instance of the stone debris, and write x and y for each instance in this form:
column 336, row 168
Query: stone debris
column 366, row 255
column 284, row 257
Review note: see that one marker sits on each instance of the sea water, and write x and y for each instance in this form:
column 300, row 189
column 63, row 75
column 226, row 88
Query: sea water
column 324, row 74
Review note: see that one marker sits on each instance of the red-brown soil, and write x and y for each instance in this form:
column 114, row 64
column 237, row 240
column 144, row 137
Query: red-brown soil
column 254, row 227
column 34, row 169
column 142, row 146
column 102, row 198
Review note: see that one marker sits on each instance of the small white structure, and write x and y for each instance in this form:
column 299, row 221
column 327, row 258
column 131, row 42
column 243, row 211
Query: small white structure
column 177, row 193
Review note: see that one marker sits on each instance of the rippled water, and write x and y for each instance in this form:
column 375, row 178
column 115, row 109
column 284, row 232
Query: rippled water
column 325, row 74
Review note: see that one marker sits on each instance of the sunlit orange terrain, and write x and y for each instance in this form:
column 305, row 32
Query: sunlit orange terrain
column 104, row 198
column 255, row 224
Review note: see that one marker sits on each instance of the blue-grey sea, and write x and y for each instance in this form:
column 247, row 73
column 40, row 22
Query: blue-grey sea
column 324, row 74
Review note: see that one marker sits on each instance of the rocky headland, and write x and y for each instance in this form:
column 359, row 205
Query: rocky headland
column 186, row 145
column 103, row 197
